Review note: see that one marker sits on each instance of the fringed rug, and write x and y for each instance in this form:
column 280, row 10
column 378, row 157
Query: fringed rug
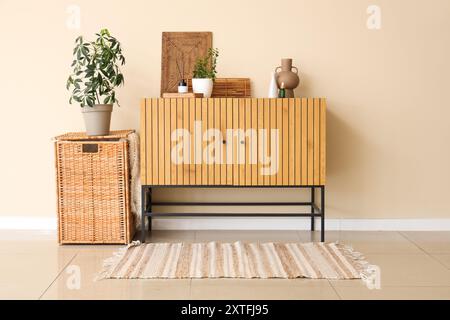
column 235, row 260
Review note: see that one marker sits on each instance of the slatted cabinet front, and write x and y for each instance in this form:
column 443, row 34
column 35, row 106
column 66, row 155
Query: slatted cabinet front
column 233, row 141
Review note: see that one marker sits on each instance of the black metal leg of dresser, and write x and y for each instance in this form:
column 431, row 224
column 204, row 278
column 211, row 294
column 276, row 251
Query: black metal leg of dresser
column 149, row 209
column 143, row 212
column 313, row 191
column 322, row 218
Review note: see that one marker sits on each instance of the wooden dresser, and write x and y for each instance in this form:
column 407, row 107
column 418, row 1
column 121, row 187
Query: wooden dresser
column 234, row 142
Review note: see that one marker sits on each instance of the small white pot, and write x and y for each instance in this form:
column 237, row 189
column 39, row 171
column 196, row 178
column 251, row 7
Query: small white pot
column 204, row 86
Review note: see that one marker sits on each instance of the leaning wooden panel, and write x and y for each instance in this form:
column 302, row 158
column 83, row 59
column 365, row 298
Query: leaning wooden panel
column 155, row 144
column 285, row 141
column 161, row 142
column 316, row 141
column 218, row 154
column 190, row 46
column 310, row 141
column 275, row 145
column 229, row 87
column 143, row 149
column 304, row 163
column 186, row 165
column 297, row 139
column 291, row 143
column 323, row 134
column 210, row 162
column 173, row 127
column 254, row 111
column 280, row 141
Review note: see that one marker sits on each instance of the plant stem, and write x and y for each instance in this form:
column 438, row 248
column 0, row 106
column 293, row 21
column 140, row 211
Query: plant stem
column 98, row 99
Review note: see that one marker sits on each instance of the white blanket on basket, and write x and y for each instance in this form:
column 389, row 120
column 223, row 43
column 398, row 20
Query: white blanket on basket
column 135, row 185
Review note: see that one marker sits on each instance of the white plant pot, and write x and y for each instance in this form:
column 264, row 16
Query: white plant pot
column 204, row 86
column 97, row 119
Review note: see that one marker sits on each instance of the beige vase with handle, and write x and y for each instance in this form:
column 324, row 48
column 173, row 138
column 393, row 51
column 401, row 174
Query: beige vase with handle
column 285, row 75
column 97, row 119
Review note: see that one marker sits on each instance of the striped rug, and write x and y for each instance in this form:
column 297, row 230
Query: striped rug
column 234, row 260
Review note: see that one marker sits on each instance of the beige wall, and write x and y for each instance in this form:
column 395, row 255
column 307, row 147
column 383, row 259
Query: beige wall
column 387, row 90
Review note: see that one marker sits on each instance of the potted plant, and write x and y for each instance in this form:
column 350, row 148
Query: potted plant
column 205, row 73
column 94, row 77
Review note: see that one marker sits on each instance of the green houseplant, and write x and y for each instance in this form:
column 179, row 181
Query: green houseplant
column 205, row 73
column 95, row 75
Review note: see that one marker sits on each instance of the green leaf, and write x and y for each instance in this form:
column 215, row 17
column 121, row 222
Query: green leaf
column 85, row 52
column 119, row 79
column 69, row 82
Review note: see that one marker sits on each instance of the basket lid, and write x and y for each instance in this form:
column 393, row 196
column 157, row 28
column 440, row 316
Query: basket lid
column 73, row 136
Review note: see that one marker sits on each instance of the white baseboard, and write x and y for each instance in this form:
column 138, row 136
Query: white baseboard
column 42, row 223
column 27, row 223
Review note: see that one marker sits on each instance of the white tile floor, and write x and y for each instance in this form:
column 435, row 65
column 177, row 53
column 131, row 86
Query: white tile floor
column 414, row 265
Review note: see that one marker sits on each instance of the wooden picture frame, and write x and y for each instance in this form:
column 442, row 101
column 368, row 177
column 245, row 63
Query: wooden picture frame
column 185, row 46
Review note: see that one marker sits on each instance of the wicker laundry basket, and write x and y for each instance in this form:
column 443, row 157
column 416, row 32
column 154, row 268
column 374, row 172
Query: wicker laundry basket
column 93, row 185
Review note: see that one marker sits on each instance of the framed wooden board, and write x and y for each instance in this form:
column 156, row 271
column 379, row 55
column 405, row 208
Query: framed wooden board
column 186, row 47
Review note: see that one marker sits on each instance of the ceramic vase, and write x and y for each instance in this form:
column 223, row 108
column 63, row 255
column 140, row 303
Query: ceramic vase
column 290, row 78
column 273, row 88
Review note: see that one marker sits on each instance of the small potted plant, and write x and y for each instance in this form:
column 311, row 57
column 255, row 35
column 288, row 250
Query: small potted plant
column 94, row 78
column 205, row 73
